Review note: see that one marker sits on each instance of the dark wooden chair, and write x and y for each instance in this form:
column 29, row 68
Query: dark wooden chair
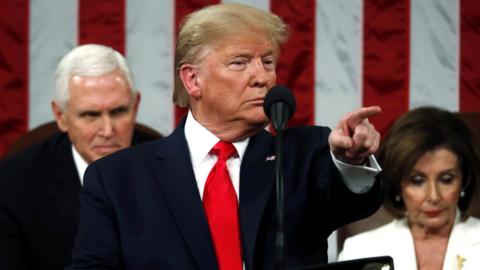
column 42, row 132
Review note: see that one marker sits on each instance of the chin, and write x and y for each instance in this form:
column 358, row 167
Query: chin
column 102, row 154
column 436, row 223
column 258, row 125
column 258, row 118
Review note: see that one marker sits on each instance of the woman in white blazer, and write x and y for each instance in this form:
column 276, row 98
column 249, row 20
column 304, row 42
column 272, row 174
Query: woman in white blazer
column 430, row 163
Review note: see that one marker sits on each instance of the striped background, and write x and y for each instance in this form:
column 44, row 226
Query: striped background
column 342, row 54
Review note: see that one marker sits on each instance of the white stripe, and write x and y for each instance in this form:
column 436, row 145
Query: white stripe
column 53, row 32
column 149, row 50
column 338, row 62
column 434, row 54
column 338, row 58
column 260, row 4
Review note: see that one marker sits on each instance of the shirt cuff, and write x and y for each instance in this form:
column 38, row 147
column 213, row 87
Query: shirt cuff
column 358, row 178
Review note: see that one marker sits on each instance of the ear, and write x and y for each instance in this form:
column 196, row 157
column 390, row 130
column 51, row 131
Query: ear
column 189, row 76
column 60, row 117
column 137, row 101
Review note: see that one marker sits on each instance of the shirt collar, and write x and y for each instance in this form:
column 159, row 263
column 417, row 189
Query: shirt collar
column 80, row 163
column 200, row 141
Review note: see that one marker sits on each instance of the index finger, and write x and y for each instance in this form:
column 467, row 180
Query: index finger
column 355, row 117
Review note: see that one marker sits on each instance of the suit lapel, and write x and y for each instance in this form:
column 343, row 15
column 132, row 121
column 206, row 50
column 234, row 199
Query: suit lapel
column 257, row 175
column 173, row 171
column 64, row 183
column 464, row 244
column 402, row 237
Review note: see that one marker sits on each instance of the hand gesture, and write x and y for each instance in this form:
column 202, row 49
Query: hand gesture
column 354, row 138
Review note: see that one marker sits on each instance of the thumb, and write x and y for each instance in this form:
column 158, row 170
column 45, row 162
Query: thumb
column 339, row 141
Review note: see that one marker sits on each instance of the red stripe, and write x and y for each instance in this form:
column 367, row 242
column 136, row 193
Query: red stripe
column 13, row 71
column 296, row 68
column 183, row 8
column 102, row 22
column 386, row 59
column 469, row 56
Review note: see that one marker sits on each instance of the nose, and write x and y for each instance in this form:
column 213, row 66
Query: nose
column 258, row 74
column 433, row 194
column 106, row 128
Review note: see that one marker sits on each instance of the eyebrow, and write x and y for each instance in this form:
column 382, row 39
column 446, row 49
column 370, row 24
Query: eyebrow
column 269, row 52
column 453, row 169
column 249, row 55
column 88, row 112
column 119, row 108
column 96, row 112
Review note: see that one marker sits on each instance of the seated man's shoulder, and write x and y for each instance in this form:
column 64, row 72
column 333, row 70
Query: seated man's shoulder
column 145, row 135
column 31, row 167
column 37, row 155
column 134, row 154
column 49, row 146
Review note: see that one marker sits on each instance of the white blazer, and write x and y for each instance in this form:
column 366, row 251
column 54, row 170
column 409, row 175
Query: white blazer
column 394, row 239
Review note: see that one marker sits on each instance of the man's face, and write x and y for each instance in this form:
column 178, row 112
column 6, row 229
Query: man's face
column 100, row 115
column 233, row 79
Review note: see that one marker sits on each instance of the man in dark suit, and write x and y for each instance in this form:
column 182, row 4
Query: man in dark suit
column 95, row 106
column 150, row 207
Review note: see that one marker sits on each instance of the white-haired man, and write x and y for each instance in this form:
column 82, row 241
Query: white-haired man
column 95, row 107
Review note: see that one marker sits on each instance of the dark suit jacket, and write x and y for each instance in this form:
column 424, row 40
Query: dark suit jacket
column 141, row 209
column 39, row 205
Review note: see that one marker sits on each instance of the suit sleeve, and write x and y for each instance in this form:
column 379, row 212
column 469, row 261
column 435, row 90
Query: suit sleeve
column 96, row 244
column 11, row 247
column 345, row 206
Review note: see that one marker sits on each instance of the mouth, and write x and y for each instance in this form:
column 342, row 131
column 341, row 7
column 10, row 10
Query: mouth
column 257, row 101
column 106, row 149
column 433, row 213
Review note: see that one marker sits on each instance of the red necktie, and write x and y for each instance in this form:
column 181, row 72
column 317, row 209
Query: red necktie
column 221, row 205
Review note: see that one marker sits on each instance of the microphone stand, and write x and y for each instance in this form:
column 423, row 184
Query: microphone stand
column 280, row 236
column 279, row 124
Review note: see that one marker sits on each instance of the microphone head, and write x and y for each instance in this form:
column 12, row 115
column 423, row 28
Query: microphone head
column 282, row 94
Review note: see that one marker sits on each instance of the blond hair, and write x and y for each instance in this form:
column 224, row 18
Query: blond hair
column 211, row 24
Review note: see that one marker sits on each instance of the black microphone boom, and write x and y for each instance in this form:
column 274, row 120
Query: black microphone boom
column 279, row 106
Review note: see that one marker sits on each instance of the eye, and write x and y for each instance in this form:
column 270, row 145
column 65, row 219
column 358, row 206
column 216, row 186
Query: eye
column 238, row 64
column 446, row 178
column 416, row 180
column 269, row 63
column 118, row 111
column 89, row 114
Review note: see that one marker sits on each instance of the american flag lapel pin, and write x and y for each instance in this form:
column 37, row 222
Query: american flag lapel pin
column 270, row 158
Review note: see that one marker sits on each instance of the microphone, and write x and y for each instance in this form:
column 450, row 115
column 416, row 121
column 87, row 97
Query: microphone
column 279, row 106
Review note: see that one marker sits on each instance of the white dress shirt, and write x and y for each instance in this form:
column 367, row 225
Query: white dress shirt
column 80, row 164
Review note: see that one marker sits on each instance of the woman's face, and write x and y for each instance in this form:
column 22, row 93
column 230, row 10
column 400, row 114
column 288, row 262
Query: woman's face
column 432, row 190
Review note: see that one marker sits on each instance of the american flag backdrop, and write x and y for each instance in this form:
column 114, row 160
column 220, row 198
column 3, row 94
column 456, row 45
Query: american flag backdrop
column 341, row 54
